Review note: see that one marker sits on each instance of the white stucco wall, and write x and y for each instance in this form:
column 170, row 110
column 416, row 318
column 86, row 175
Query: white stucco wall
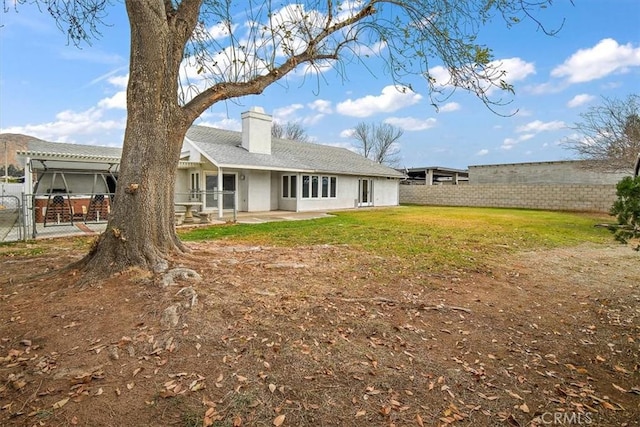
column 182, row 185
column 258, row 185
column 275, row 191
column 194, row 155
column 385, row 192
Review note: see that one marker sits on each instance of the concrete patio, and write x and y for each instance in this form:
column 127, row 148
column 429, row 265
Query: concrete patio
column 88, row 229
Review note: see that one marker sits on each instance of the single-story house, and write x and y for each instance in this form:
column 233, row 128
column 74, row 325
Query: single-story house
column 220, row 169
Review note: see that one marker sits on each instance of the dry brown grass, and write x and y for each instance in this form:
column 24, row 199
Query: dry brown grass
column 324, row 335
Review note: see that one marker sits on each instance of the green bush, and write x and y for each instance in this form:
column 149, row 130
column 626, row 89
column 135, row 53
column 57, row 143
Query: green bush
column 627, row 210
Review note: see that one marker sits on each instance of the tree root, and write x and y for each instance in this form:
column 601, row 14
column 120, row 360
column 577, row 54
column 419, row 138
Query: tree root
column 182, row 273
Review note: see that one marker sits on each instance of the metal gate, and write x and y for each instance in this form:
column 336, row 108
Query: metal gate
column 12, row 219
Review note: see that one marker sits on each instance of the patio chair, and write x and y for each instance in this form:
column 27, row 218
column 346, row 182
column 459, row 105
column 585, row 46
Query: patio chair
column 98, row 209
column 58, row 211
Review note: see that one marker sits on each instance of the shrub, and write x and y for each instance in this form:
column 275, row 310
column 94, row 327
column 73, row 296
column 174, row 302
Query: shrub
column 627, row 210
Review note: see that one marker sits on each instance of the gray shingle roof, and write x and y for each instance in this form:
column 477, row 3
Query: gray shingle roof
column 224, row 148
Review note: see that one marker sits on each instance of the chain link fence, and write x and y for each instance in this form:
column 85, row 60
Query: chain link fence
column 29, row 216
column 12, row 224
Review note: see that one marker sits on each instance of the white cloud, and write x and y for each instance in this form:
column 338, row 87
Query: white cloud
column 579, row 100
column 347, row 133
column 119, row 81
column 482, row 152
column 392, row 98
column 441, row 75
column 321, row 105
column 515, row 70
column 287, row 114
column 411, row 123
column 604, row 58
column 70, row 123
column 221, row 30
column 312, row 119
column 523, row 112
column 224, row 123
column 526, row 136
column 117, row 101
column 449, row 107
column 538, row 126
column 508, row 143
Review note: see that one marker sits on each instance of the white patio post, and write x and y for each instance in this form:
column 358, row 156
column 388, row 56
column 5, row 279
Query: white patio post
column 220, row 195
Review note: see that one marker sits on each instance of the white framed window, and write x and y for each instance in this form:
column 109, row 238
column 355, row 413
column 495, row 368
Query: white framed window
column 195, row 185
column 289, row 186
column 319, row 186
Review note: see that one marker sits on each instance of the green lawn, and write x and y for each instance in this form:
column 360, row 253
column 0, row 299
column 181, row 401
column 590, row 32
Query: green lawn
column 435, row 237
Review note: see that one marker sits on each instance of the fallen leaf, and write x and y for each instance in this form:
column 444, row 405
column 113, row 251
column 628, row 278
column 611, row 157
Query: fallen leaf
column 512, row 394
column 524, row 408
column 360, row 413
column 419, row 420
column 277, row 421
column 617, row 387
column 621, row 369
column 60, row 403
column 272, row 388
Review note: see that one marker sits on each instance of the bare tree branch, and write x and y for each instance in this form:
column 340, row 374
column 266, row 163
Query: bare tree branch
column 379, row 142
column 608, row 136
column 291, row 130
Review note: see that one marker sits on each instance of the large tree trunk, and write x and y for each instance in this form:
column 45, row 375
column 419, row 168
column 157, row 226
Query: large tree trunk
column 141, row 228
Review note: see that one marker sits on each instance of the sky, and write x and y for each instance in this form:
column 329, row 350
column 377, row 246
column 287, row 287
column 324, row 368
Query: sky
column 55, row 91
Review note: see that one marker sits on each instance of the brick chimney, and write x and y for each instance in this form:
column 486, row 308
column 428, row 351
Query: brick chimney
column 256, row 131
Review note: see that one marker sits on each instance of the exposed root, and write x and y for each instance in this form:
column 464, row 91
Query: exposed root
column 185, row 274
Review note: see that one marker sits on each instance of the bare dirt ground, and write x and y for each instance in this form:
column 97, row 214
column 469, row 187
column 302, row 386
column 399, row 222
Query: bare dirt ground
column 323, row 335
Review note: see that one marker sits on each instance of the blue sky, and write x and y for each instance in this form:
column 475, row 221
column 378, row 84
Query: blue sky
column 55, row 91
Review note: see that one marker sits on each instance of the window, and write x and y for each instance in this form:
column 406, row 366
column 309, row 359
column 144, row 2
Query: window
column 305, row 186
column 195, row 185
column 319, row 186
column 289, row 186
column 285, row 186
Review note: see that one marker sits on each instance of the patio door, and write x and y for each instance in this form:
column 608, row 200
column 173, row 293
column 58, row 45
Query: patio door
column 213, row 191
column 365, row 192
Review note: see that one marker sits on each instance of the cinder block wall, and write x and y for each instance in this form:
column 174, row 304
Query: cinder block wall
column 560, row 172
column 566, row 197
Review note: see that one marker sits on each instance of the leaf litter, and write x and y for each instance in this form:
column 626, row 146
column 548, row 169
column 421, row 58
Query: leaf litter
column 341, row 341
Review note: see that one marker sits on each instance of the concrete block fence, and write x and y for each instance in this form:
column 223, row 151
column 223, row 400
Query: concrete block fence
column 561, row 197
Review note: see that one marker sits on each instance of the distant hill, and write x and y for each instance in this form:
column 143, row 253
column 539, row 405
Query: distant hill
column 15, row 142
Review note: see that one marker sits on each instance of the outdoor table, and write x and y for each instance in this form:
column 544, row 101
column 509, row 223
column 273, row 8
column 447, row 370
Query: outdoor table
column 188, row 214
